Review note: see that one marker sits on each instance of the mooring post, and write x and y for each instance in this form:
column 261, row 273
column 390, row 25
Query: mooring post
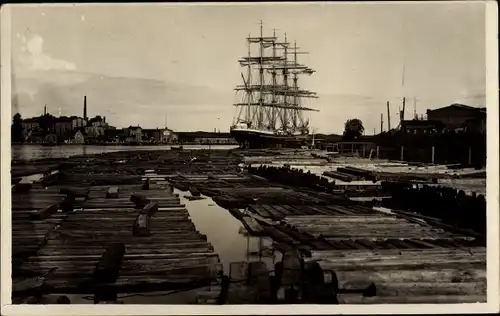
column 402, row 151
column 433, row 154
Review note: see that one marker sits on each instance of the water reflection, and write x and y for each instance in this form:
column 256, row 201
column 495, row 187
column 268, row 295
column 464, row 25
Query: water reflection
column 27, row 152
column 223, row 232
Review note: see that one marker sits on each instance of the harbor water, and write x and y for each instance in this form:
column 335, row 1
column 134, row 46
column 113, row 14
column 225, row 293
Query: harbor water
column 28, row 152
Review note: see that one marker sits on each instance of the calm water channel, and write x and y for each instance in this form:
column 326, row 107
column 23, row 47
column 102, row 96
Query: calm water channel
column 223, row 231
column 26, row 152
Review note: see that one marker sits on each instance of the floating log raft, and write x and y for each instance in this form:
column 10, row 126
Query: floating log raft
column 171, row 255
column 458, row 274
column 403, row 254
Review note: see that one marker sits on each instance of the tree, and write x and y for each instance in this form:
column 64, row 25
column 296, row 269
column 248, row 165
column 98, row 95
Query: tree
column 17, row 128
column 353, row 129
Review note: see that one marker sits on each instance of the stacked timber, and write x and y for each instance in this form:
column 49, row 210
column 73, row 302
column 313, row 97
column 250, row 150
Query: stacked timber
column 346, row 177
column 368, row 228
column 296, row 177
column 448, row 204
column 172, row 254
column 409, row 276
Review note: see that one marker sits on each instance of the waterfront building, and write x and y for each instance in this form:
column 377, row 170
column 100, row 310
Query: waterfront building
column 460, row 117
column 133, row 134
column 79, row 137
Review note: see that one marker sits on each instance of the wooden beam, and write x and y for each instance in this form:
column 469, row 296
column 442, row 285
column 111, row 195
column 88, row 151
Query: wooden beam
column 108, row 267
column 150, row 209
column 45, row 212
column 142, row 225
column 112, row 193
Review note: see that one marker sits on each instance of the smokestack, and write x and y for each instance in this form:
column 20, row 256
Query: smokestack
column 85, row 107
column 104, row 119
column 45, row 110
column 388, row 117
column 381, row 122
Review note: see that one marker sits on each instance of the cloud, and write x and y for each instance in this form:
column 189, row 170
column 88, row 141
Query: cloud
column 33, row 56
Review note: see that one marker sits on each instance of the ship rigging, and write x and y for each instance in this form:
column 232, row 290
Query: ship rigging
column 270, row 111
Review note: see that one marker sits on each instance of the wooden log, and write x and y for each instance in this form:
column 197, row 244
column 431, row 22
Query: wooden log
column 142, row 225
column 140, row 201
column 68, row 204
column 421, row 288
column 22, row 187
column 61, row 299
column 108, row 267
column 74, row 192
column 45, row 212
column 252, row 225
column 112, row 193
column 399, row 264
column 426, row 299
column 401, row 253
column 194, row 191
column 146, row 184
column 150, row 209
column 407, row 276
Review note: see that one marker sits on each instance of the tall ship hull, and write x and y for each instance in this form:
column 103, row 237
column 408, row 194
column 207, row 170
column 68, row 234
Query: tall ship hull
column 249, row 139
column 270, row 111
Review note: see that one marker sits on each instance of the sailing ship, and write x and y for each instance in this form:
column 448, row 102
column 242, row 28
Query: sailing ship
column 270, row 112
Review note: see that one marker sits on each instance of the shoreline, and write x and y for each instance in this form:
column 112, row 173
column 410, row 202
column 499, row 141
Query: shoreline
column 126, row 144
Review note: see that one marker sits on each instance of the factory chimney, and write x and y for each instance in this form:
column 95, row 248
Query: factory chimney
column 85, row 107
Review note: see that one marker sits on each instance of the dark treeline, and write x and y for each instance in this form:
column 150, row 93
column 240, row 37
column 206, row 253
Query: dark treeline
column 448, row 148
column 452, row 206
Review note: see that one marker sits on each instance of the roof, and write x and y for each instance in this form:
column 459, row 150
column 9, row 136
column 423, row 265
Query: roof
column 459, row 106
column 420, row 123
column 201, row 134
column 134, row 127
column 31, row 120
column 152, row 130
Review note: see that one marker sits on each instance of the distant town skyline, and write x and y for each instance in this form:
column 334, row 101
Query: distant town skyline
column 176, row 65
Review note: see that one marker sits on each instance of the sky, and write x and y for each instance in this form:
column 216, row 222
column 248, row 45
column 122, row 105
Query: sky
column 176, row 65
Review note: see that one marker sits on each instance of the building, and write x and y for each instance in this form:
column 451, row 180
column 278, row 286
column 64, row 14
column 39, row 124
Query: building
column 79, row 137
column 205, row 138
column 96, row 127
column 421, row 126
column 153, row 135
column 65, row 126
column 133, row 134
column 30, row 124
column 460, row 117
column 169, row 136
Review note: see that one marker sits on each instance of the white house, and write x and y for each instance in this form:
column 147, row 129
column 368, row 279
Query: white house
column 134, row 134
column 79, row 138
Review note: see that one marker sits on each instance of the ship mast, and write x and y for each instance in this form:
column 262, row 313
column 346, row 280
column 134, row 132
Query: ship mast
column 274, row 103
column 274, row 83
column 261, row 77
column 285, row 84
